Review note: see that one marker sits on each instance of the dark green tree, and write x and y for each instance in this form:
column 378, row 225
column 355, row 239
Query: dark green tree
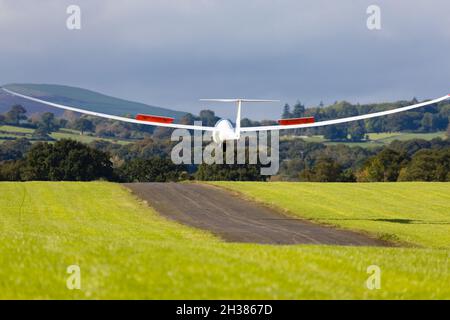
column 14, row 149
column 16, row 114
column 11, row 170
column 286, row 112
column 357, row 131
column 335, row 132
column 150, row 170
column 325, row 170
column 427, row 122
column 188, row 118
column 448, row 131
column 41, row 133
column 383, row 167
column 66, row 160
column 225, row 172
column 298, row 110
column 428, row 165
column 375, row 125
column 208, row 118
column 48, row 123
column 83, row 124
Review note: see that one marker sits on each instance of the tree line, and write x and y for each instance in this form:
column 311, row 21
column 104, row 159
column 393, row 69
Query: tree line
column 400, row 161
column 412, row 160
column 149, row 160
column 70, row 160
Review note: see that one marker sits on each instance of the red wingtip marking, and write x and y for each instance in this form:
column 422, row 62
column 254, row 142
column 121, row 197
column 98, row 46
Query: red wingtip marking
column 292, row 121
column 150, row 118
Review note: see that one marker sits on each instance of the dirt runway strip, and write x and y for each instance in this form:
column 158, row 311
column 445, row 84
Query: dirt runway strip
column 237, row 220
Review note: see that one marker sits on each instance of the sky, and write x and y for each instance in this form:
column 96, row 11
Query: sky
column 171, row 53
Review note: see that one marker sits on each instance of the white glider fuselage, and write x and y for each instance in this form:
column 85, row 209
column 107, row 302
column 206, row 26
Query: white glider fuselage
column 224, row 131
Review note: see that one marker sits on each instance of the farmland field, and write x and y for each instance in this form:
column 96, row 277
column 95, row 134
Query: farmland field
column 125, row 250
column 13, row 129
column 74, row 135
column 375, row 139
column 8, row 132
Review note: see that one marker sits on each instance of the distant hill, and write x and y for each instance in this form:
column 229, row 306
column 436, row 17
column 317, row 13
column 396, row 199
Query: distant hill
column 77, row 97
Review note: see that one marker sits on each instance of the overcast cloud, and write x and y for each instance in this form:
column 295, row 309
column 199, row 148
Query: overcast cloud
column 171, row 53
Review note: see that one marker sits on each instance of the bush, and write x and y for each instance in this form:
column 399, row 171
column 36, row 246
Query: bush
column 11, row 170
column 66, row 160
column 150, row 170
column 383, row 167
column 224, row 172
column 428, row 165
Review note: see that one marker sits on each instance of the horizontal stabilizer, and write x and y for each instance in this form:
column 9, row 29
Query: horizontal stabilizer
column 238, row 99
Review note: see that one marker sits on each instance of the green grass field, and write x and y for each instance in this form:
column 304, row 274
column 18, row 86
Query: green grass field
column 12, row 132
column 125, row 250
column 389, row 137
column 83, row 138
column 20, row 132
column 376, row 139
column 14, row 129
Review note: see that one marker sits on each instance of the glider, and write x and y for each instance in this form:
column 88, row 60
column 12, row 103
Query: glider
column 224, row 130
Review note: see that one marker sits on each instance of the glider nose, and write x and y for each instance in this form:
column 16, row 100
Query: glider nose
column 223, row 131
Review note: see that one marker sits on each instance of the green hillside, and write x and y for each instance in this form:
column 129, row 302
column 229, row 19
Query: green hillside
column 125, row 250
column 91, row 100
